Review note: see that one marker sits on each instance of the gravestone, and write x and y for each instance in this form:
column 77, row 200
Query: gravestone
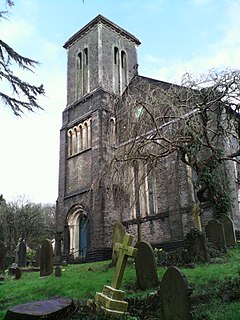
column 21, row 254
column 58, row 271
column 215, row 233
column 229, row 231
column 56, row 308
column 145, row 265
column 3, row 252
column 58, row 248
column 46, row 259
column 175, row 295
column 118, row 234
column 18, row 273
column 111, row 299
column 196, row 245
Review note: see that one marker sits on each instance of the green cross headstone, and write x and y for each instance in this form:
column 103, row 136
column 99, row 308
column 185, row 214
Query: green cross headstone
column 124, row 251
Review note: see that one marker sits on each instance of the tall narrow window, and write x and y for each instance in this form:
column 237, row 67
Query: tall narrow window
column 116, row 55
column 85, row 71
column 80, row 137
column 152, row 188
column 112, row 131
column 86, row 135
column 123, row 70
column 143, row 189
column 70, row 146
column 116, row 74
column 74, row 140
column 86, row 56
column 79, row 75
column 89, row 133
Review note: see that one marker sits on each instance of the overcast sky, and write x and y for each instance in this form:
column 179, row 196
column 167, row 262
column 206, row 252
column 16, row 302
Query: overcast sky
column 177, row 36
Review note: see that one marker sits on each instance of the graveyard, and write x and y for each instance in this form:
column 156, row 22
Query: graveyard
column 212, row 288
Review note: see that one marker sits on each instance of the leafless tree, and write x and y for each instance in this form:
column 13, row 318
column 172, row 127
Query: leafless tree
column 197, row 120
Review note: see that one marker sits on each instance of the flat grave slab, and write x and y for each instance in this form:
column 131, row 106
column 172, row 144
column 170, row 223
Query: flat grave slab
column 46, row 309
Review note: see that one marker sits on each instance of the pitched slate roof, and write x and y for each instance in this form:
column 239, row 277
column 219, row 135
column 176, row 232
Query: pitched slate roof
column 105, row 21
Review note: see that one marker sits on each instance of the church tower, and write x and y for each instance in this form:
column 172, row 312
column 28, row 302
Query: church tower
column 102, row 60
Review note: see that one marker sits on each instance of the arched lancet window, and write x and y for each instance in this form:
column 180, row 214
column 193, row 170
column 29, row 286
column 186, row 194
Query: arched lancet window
column 70, row 146
column 74, row 140
column 116, row 72
column 80, row 128
column 86, row 135
column 79, row 75
column 112, row 131
column 116, row 57
column 85, row 71
column 89, row 133
column 123, row 70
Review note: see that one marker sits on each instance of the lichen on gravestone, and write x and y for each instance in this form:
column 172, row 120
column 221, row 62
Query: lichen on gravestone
column 118, row 234
column 145, row 265
column 175, row 295
column 46, row 258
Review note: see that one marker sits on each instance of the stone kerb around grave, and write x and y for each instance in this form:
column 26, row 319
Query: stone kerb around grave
column 145, row 265
column 46, row 258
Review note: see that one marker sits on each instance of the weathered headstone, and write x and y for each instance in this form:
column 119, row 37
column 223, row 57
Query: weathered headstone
column 3, row 252
column 58, row 248
column 21, row 253
column 196, row 245
column 215, row 233
column 145, row 265
column 46, row 258
column 18, row 273
column 118, row 234
column 111, row 299
column 229, row 231
column 175, row 295
column 58, row 271
column 55, row 308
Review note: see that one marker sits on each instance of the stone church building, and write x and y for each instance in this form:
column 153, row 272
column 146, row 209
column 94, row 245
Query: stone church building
column 102, row 63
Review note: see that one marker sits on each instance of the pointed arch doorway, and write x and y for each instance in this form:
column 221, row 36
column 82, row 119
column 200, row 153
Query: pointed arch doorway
column 78, row 231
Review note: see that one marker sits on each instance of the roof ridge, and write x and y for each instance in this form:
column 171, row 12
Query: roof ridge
column 97, row 19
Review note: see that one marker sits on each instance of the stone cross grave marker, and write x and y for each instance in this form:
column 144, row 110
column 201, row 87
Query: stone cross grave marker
column 215, row 233
column 3, row 252
column 124, row 251
column 118, row 234
column 145, row 265
column 21, row 253
column 111, row 299
column 229, row 231
column 175, row 295
column 46, row 259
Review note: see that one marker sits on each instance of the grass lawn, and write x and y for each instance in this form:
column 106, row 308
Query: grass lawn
column 216, row 287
